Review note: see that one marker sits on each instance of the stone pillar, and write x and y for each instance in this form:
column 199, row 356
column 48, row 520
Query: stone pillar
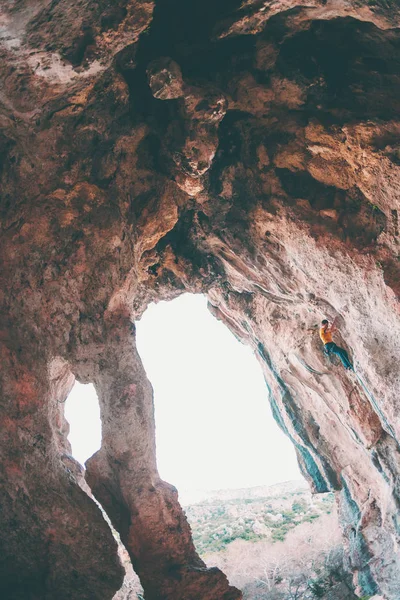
column 123, row 476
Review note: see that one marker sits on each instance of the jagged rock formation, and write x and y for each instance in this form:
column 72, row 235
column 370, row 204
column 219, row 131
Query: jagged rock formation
column 246, row 150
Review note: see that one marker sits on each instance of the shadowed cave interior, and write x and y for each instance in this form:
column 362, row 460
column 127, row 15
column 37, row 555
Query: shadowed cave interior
column 247, row 151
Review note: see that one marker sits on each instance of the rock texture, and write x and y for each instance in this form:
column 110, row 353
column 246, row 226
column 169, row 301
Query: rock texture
column 246, row 150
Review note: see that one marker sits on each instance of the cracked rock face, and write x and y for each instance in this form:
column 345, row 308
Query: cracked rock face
column 246, row 150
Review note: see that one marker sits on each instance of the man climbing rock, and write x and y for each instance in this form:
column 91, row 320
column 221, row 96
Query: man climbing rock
column 330, row 347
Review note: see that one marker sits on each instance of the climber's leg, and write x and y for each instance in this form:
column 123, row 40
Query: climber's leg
column 332, row 348
column 344, row 357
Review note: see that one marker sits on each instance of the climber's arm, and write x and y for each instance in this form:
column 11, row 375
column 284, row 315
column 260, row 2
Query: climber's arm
column 333, row 327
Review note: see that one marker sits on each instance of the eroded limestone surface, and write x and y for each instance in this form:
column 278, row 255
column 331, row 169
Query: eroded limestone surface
column 246, row 150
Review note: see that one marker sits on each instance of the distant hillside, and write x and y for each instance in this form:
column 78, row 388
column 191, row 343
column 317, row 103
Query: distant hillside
column 188, row 497
column 273, row 542
column 254, row 514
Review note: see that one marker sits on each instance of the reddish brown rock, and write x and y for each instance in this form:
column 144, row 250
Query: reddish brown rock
column 249, row 151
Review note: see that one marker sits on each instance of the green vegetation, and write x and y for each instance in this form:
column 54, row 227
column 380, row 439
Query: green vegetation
column 278, row 543
column 217, row 523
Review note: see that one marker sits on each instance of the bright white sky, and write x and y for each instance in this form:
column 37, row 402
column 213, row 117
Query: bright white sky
column 214, row 425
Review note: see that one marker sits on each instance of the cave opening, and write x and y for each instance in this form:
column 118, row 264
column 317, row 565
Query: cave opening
column 214, row 426
column 215, row 432
column 82, row 412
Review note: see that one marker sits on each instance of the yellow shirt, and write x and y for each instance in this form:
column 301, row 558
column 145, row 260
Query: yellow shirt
column 325, row 335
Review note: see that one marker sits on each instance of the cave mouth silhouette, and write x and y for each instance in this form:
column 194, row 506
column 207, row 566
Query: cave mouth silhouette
column 214, row 427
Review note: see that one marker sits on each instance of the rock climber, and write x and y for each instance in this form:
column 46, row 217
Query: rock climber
column 330, row 347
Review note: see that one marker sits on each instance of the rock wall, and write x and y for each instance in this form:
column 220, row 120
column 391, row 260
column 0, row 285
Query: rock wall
column 246, row 150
